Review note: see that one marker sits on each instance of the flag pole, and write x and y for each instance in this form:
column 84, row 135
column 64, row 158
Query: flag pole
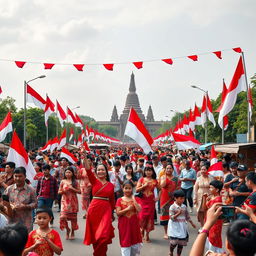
column 247, row 88
column 222, row 131
column 56, row 120
column 206, row 118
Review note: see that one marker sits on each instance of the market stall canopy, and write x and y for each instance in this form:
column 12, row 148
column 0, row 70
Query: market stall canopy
column 234, row 148
column 205, row 146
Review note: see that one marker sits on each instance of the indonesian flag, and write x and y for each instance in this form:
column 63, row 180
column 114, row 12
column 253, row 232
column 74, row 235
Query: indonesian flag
column 54, row 144
column 60, row 113
column 71, row 117
column 47, row 146
column 223, row 96
column 35, row 98
column 1, row 90
column 136, row 130
column 197, row 116
column 49, row 109
column 86, row 147
column 71, row 134
column 185, row 123
column 63, row 139
column 191, row 120
column 79, row 140
column 203, row 111
column 19, row 156
column 6, row 126
column 237, row 85
column 184, row 142
column 209, row 110
column 79, row 122
column 65, row 153
column 216, row 168
column 250, row 102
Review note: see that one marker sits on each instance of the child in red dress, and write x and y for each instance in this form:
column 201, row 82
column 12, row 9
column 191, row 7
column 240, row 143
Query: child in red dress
column 127, row 209
column 44, row 241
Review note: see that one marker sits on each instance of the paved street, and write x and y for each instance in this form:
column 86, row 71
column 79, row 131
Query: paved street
column 158, row 246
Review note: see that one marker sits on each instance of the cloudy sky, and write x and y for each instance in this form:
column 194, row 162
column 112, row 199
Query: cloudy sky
column 117, row 31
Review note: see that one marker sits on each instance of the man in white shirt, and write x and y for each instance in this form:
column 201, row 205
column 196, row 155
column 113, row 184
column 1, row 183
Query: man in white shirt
column 116, row 178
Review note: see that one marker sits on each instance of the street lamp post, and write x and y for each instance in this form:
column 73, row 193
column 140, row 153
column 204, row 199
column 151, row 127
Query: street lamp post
column 25, row 107
column 206, row 114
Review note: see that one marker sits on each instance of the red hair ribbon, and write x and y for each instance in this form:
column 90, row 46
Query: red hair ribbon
column 244, row 231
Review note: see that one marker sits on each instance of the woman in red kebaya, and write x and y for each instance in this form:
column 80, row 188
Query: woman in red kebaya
column 127, row 209
column 99, row 230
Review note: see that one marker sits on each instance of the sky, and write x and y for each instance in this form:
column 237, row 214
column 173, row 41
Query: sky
column 116, row 31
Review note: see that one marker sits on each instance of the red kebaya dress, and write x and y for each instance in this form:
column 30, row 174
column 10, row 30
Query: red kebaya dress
column 99, row 230
column 128, row 225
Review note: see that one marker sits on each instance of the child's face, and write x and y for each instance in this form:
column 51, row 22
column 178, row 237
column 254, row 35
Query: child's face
column 127, row 190
column 68, row 174
column 43, row 219
column 179, row 200
column 213, row 190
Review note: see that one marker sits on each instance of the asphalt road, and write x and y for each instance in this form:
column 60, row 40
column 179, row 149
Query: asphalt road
column 158, row 245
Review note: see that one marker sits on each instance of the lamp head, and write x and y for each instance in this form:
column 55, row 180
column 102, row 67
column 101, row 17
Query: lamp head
column 42, row 76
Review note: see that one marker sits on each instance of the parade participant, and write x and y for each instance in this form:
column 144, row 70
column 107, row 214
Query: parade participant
column 127, row 209
column 116, row 178
column 39, row 174
column 123, row 161
column 130, row 175
column 22, row 198
column 47, row 189
column 7, row 178
column 177, row 225
column 176, row 164
column 232, row 177
column 59, row 175
column 146, row 185
column 99, row 230
column 201, row 191
column 85, row 187
column 251, row 184
column 214, row 242
column 44, row 241
column 168, row 184
column 3, row 213
column 240, row 241
column 188, row 178
column 156, row 165
column 69, row 188
column 139, row 168
column 13, row 239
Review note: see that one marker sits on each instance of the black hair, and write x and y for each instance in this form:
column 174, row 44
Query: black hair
column 106, row 169
column 117, row 163
column 129, row 166
column 11, row 164
column 46, row 167
column 241, row 235
column 46, row 210
column 13, row 239
column 123, row 158
column 225, row 165
column 142, row 160
column 20, row 170
column 163, row 158
column 151, row 169
column 252, row 177
column 217, row 184
column 73, row 178
column 154, row 157
column 128, row 182
column 178, row 193
column 170, row 163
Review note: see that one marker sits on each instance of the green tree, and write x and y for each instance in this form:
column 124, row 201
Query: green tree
column 108, row 130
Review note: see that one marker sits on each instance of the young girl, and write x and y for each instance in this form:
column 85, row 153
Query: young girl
column 69, row 189
column 214, row 242
column 127, row 209
column 177, row 225
column 44, row 240
column 130, row 175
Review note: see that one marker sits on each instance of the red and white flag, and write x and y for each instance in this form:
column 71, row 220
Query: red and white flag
column 19, row 156
column 197, row 116
column 47, row 146
column 54, row 144
column 63, row 139
column 86, row 147
column 65, row 153
column 250, row 102
column 237, row 85
column 191, row 120
column 216, row 168
column 1, row 90
column 60, row 113
column 184, row 142
column 71, row 117
column 185, row 123
column 71, row 134
column 35, row 98
column 49, row 109
column 6, row 126
column 79, row 122
column 79, row 140
column 209, row 111
column 203, row 111
column 136, row 130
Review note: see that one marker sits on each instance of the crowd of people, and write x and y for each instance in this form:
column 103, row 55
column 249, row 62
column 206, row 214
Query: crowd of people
column 136, row 188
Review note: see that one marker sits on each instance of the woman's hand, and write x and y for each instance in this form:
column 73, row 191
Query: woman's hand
column 247, row 210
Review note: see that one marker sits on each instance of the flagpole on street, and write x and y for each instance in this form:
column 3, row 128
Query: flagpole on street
column 25, row 108
column 56, row 120
column 222, row 131
column 247, row 88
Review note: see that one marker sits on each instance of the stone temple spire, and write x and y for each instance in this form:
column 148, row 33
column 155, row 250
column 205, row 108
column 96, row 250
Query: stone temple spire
column 114, row 116
column 132, row 100
column 150, row 117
